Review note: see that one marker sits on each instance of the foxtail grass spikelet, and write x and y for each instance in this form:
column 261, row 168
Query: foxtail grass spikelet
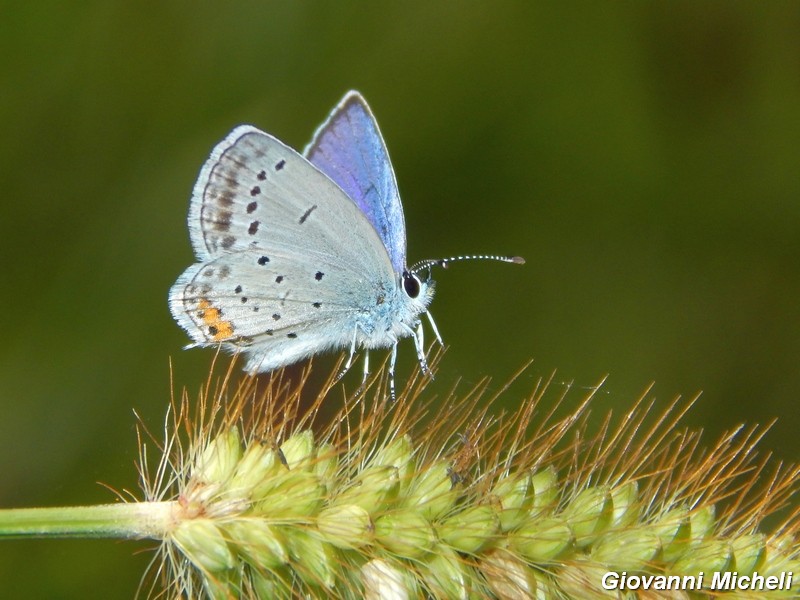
column 456, row 499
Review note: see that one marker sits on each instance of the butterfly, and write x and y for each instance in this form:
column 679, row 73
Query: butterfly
column 301, row 254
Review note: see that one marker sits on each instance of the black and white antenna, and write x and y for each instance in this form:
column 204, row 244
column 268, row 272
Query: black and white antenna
column 444, row 262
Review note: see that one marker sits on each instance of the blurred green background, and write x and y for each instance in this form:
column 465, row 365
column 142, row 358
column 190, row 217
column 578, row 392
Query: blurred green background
column 642, row 156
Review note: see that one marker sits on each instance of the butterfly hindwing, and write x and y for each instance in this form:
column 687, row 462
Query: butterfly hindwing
column 265, row 307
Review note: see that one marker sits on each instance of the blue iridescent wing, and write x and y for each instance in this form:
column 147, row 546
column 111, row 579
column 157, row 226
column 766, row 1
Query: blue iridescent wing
column 349, row 149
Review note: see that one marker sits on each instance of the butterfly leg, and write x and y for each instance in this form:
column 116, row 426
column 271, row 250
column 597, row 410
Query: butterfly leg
column 421, row 349
column 392, row 361
column 349, row 360
column 419, row 344
column 366, row 367
column 363, row 385
column 435, row 329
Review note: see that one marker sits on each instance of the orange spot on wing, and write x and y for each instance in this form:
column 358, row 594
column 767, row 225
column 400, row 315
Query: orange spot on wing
column 218, row 329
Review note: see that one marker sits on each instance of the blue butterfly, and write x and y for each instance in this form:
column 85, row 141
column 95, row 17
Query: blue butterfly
column 297, row 255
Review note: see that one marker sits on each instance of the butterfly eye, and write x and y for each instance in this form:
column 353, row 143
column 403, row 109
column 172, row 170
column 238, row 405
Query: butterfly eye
column 411, row 284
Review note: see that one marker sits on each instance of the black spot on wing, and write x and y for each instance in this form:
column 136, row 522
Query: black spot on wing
column 280, row 164
column 263, row 260
column 306, row 214
column 252, row 207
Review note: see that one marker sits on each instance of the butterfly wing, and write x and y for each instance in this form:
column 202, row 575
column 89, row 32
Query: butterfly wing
column 286, row 258
column 277, row 312
column 348, row 148
column 254, row 190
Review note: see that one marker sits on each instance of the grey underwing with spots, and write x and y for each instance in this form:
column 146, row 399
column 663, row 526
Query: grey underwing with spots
column 298, row 254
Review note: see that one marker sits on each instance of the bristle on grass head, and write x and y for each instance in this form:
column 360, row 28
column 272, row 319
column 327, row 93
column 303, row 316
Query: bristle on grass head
column 452, row 498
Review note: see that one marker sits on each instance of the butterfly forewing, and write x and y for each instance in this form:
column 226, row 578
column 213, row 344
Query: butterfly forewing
column 255, row 190
column 349, row 148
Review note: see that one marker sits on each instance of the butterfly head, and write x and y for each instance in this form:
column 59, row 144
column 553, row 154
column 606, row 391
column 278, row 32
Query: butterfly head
column 418, row 287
